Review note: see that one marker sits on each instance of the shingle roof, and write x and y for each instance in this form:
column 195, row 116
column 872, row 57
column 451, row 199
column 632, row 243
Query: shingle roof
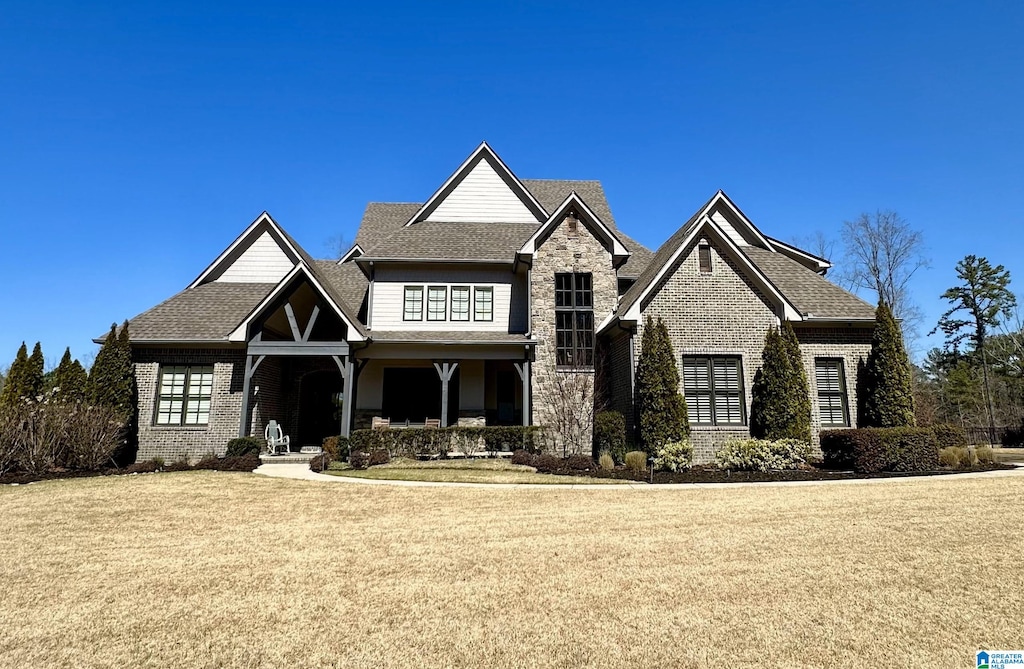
column 208, row 312
column 551, row 192
column 449, row 336
column 809, row 292
column 349, row 282
column 381, row 219
column 454, row 241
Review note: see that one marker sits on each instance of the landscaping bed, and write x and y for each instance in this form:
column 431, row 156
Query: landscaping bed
column 241, row 463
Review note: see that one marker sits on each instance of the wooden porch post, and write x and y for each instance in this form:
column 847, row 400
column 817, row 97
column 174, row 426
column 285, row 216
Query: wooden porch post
column 348, row 374
column 445, row 370
column 523, row 368
column 250, row 369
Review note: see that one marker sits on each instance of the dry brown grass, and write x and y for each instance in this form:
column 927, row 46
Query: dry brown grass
column 488, row 470
column 209, row 569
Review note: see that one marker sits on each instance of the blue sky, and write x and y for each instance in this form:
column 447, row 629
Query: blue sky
column 138, row 141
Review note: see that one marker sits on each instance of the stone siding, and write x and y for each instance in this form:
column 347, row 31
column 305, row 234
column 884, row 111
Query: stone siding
column 190, row 442
column 564, row 251
column 718, row 313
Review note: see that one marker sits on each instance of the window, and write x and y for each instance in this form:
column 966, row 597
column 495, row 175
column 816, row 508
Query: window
column 574, row 320
column 184, row 395
column 460, row 303
column 437, row 303
column 413, row 306
column 832, row 406
column 483, row 304
column 704, row 255
column 713, row 386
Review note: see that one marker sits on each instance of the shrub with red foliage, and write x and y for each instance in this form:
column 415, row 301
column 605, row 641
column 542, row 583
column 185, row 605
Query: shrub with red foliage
column 580, row 463
column 523, row 457
column 379, row 457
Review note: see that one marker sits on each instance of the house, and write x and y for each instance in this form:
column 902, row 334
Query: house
column 474, row 307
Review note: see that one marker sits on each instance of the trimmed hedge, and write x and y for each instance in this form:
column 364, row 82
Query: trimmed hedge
column 948, row 434
column 889, row 449
column 244, row 446
column 416, row 442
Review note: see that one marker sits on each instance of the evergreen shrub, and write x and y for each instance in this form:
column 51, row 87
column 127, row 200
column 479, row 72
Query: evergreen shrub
column 674, row 456
column 762, row 455
column 870, row 450
column 948, row 434
column 245, row 445
column 662, row 408
column 610, row 434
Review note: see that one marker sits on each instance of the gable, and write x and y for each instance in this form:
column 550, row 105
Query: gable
column 263, row 261
column 482, row 195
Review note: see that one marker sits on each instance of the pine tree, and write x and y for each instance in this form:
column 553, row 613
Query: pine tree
column 70, row 379
column 14, row 384
column 112, row 378
column 799, row 388
column 888, row 395
column 662, row 408
column 33, row 381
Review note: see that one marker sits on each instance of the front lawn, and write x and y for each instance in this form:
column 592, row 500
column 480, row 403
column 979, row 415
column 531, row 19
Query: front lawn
column 491, row 470
column 212, row 569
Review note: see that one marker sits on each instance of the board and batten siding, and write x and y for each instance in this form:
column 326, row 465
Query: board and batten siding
column 482, row 197
column 263, row 262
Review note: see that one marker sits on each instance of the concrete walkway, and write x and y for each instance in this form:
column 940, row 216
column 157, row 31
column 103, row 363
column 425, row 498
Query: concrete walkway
column 303, row 472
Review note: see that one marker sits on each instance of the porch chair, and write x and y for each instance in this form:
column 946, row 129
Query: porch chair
column 277, row 441
column 380, row 423
column 432, row 423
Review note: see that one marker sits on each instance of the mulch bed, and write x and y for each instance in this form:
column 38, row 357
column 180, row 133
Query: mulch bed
column 701, row 474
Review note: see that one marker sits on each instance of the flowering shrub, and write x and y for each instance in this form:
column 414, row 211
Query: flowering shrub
column 674, row 456
column 762, row 455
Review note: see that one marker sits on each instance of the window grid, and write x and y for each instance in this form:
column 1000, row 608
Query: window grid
column 713, row 386
column 832, row 401
column 183, row 395
column 437, row 303
column 412, row 309
column 460, row 303
column 574, row 319
column 483, row 304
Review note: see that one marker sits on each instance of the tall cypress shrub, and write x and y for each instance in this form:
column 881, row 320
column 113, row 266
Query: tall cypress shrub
column 14, row 385
column 112, row 378
column 888, row 395
column 780, row 406
column 800, row 390
column 33, row 381
column 662, row 408
column 70, row 379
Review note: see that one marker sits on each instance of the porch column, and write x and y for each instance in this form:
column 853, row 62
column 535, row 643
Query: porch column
column 251, row 363
column 445, row 370
column 523, row 369
column 348, row 374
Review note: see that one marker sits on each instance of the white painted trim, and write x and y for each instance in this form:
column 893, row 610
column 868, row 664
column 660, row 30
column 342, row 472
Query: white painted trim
column 619, row 250
column 634, row 313
column 239, row 333
column 782, row 247
column 356, row 250
column 263, row 218
column 483, row 152
column 721, row 198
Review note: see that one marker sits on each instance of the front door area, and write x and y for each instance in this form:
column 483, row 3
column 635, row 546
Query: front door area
column 320, row 395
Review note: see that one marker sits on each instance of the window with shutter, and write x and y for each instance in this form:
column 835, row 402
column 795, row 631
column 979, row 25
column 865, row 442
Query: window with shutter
column 713, row 386
column 832, row 402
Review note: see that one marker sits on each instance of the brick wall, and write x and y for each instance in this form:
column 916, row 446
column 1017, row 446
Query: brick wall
column 564, row 251
column 176, row 442
column 619, row 382
column 718, row 313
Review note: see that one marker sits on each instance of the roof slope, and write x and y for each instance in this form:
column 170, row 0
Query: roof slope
column 348, row 281
column 208, row 312
column 809, row 292
column 453, row 241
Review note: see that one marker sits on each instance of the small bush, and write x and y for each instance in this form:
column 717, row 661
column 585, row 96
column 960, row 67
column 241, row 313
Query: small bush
column 178, row 466
column 968, row 457
column 244, row 446
column 674, row 456
column 320, row 462
column 240, row 463
column 359, row 459
column 636, row 461
column 890, row 449
column 523, row 457
column 985, row 454
column 948, row 434
column 762, row 455
column 546, row 463
column 610, row 434
column 606, row 462
column 949, row 456
column 144, row 467
column 379, row 457
column 336, row 448
column 580, row 463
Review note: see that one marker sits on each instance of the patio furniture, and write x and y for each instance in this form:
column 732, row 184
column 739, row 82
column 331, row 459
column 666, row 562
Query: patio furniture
column 432, row 423
column 380, row 423
column 277, row 441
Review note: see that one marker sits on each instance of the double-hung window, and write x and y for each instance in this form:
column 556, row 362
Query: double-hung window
column 184, row 395
column 460, row 303
column 831, row 382
column 713, row 386
column 574, row 319
column 483, row 303
column 437, row 303
column 412, row 308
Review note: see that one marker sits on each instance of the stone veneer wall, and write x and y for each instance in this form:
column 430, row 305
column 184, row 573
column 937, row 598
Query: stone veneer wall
column 719, row 313
column 851, row 343
column 564, row 251
column 191, row 442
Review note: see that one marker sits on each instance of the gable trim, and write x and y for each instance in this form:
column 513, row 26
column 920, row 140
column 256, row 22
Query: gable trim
column 788, row 249
column 250, row 235
column 618, row 249
column 353, row 252
column 239, row 334
column 482, row 152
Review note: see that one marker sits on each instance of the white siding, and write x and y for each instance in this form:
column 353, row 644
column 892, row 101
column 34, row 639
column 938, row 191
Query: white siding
column 482, row 196
column 370, row 395
column 388, row 298
column 263, row 262
column 728, row 228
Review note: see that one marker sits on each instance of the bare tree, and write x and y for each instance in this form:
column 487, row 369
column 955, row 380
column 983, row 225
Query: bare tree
column 882, row 253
